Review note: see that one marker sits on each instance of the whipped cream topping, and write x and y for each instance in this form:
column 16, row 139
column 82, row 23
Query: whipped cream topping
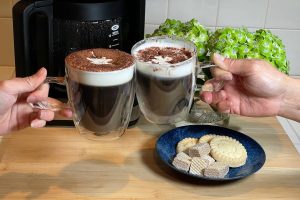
column 161, row 60
column 100, row 61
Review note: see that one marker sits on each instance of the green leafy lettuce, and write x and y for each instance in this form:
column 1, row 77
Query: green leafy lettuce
column 241, row 43
column 235, row 43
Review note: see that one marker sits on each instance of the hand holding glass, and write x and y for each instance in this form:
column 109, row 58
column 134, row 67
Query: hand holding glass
column 165, row 88
column 100, row 87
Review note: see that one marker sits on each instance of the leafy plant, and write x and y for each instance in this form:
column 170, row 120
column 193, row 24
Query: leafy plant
column 271, row 48
column 230, row 42
column 241, row 43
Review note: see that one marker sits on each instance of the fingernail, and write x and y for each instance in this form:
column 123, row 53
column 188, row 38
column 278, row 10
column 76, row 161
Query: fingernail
column 219, row 57
column 41, row 71
column 226, row 111
column 31, row 99
column 37, row 123
column 208, row 87
column 226, row 77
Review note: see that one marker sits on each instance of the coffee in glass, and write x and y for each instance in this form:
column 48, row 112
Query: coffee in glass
column 100, row 90
column 101, row 87
column 165, row 78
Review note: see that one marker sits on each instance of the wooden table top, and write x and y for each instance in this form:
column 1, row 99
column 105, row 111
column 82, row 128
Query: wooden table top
column 57, row 163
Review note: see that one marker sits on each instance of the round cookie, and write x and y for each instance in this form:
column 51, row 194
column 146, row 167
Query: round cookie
column 228, row 150
column 206, row 138
column 185, row 144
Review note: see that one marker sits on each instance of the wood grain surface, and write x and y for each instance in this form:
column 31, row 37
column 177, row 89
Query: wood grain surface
column 58, row 163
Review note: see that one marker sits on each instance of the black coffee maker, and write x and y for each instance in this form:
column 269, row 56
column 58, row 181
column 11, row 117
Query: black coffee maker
column 46, row 31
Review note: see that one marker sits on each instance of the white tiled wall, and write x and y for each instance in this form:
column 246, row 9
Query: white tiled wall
column 282, row 17
column 283, row 14
column 203, row 10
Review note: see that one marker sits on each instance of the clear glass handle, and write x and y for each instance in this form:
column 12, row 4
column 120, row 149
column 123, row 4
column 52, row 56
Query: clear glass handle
column 56, row 80
column 50, row 103
column 46, row 105
column 207, row 64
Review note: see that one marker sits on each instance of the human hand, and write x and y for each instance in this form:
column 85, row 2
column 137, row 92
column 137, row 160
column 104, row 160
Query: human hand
column 251, row 87
column 15, row 110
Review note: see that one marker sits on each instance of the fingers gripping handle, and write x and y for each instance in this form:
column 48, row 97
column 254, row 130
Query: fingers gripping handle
column 211, row 85
column 51, row 104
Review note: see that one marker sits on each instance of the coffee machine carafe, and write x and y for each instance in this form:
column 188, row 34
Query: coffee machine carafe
column 46, row 31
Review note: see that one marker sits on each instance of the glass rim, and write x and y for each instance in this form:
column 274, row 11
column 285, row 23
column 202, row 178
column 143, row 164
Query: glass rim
column 156, row 38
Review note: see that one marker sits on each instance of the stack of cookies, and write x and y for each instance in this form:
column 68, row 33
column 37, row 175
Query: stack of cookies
column 211, row 155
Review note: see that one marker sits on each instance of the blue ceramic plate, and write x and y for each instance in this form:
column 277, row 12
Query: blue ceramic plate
column 166, row 149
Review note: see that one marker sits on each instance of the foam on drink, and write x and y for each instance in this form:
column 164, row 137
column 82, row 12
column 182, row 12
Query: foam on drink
column 164, row 67
column 100, row 67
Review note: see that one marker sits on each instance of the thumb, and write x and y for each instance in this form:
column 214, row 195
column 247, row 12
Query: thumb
column 26, row 84
column 235, row 66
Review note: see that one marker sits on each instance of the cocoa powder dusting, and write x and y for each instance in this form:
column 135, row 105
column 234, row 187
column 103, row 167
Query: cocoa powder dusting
column 117, row 60
column 176, row 55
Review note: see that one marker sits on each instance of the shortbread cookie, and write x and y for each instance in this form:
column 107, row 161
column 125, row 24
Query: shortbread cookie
column 208, row 159
column 181, row 163
column 199, row 150
column 206, row 138
column 197, row 166
column 185, row 144
column 228, row 150
column 216, row 170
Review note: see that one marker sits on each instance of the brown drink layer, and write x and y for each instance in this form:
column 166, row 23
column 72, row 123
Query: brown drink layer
column 80, row 60
column 176, row 55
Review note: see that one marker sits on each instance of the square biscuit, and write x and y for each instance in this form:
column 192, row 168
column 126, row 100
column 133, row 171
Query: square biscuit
column 199, row 150
column 197, row 166
column 181, row 163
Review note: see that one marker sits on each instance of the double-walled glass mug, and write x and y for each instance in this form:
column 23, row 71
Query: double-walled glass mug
column 165, row 68
column 101, row 87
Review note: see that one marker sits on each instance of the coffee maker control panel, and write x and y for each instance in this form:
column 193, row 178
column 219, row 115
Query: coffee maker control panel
column 114, row 36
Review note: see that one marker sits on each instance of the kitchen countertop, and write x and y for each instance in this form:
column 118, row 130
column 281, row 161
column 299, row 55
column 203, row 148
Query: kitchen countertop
column 58, row 163
column 292, row 128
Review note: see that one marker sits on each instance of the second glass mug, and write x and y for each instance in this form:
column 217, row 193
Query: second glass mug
column 165, row 91
column 101, row 101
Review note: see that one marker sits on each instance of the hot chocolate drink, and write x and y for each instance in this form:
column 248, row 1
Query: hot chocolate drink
column 165, row 80
column 164, row 96
column 100, row 88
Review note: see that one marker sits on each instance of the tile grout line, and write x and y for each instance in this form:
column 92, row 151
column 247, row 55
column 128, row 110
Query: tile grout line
column 151, row 24
column 280, row 29
column 217, row 17
column 267, row 12
column 168, row 9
